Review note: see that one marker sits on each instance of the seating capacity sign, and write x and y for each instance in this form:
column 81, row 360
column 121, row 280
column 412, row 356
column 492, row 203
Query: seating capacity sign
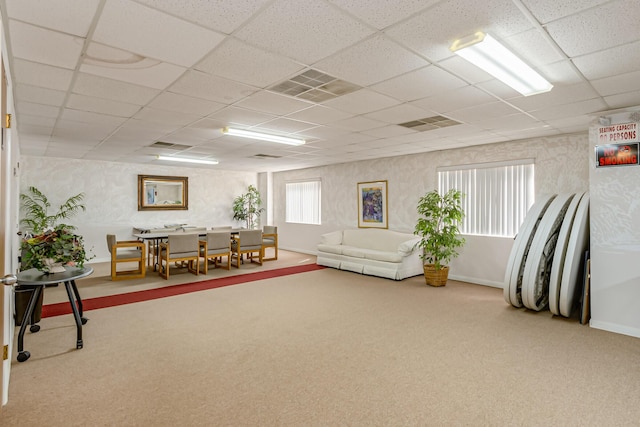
column 620, row 145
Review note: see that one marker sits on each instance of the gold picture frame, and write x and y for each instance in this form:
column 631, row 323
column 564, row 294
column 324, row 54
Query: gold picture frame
column 163, row 193
column 372, row 204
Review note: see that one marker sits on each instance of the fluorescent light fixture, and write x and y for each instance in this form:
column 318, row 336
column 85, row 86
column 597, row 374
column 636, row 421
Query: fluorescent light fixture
column 263, row 136
column 487, row 53
column 183, row 159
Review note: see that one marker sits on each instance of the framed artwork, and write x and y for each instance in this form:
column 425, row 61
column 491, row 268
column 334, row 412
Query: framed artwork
column 372, row 204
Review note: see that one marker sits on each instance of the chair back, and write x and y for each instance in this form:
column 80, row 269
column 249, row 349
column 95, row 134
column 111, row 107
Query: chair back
column 111, row 240
column 250, row 238
column 225, row 227
column 218, row 240
column 183, row 244
column 270, row 229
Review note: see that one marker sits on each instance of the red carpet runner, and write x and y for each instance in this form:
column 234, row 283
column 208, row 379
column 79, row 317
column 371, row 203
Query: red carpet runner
column 61, row 308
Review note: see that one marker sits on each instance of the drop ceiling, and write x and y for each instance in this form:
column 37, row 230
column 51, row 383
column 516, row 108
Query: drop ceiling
column 109, row 79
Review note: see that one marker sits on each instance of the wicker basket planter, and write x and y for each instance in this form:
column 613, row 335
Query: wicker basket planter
column 435, row 277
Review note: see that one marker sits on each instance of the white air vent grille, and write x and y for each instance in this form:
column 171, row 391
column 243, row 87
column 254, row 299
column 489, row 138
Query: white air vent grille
column 264, row 156
column 314, row 86
column 429, row 123
column 170, row 146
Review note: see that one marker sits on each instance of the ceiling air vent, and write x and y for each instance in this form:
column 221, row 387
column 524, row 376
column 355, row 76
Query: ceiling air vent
column 314, row 86
column 429, row 123
column 264, row 156
column 170, row 146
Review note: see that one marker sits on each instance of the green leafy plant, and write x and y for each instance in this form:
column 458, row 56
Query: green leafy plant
column 438, row 226
column 247, row 207
column 36, row 210
column 59, row 245
column 47, row 241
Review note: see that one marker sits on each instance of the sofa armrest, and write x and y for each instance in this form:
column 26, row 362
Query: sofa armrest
column 333, row 238
column 406, row 248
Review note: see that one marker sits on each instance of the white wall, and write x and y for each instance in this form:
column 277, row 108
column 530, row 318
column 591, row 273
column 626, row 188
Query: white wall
column 561, row 166
column 615, row 243
column 111, row 195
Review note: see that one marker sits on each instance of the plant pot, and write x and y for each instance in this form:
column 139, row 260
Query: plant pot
column 435, row 277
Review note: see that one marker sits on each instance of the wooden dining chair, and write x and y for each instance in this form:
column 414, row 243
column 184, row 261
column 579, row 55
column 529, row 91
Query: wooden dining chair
column 248, row 242
column 126, row 252
column 179, row 248
column 216, row 246
column 270, row 240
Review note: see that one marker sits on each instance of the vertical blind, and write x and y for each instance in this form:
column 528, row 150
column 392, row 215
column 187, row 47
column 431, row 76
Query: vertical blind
column 303, row 202
column 496, row 196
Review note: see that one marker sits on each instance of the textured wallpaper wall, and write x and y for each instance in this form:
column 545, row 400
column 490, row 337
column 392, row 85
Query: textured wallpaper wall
column 561, row 166
column 111, row 195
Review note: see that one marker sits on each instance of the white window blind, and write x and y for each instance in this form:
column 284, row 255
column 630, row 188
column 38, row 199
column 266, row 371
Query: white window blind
column 496, row 197
column 303, row 202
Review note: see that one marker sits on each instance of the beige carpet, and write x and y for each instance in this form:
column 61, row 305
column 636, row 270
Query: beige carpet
column 325, row 348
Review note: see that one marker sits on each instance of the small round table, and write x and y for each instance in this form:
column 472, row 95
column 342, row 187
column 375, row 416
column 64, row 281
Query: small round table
column 38, row 280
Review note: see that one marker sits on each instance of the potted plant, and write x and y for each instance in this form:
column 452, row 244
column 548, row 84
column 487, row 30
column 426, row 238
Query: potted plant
column 438, row 228
column 247, row 207
column 49, row 245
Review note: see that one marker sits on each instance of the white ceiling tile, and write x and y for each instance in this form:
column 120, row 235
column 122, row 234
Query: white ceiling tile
column 117, row 64
column 68, row 16
column 463, row 69
column 385, row 12
column 327, row 133
column 175, row 102
column 26, row 119
column 302, row 30
column 618, row 84
column 420, row 83
column 611, row 24
column 166, row 117
column 38, row 109
column 100, row 105
column 221, row 15
column 357, row 124
column 482, row 112
column 558, row 95
column 399, row 114
column 573, row 109
column 213, row 88
column 362, row 101
column 35, row 74
column 623, row 100
column 140, row 29
column 561, row 72
column 533, row 48
column 388, row 131
column 432, row 32
column 66, row 129
column 101, row 87
column 236, row 60
column 454, row 100
column 53, row 48
column 91, row 118
column 319, row 114
column 286, row 125
column 240, row 116
column 609, row 62
column 550, row 10
column 273, row 103
column 37, row 130
column 371, row 61
column 499, row 89
column 39, row 95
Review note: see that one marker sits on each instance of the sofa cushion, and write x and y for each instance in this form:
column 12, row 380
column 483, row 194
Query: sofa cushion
column 332, row 249
column 407, row 247
column 353, row 251
column 377, row 239
column 382, row 256
column 333, row 238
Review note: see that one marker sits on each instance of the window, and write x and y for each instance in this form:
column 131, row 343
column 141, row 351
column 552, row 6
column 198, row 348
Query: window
column 303, row 202
column 496, row 197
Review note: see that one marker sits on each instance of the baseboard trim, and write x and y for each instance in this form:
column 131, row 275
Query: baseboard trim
column 614, row 327
column 477, row 281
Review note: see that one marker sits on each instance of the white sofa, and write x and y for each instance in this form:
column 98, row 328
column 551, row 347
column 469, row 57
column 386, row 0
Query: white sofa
column 372, row 251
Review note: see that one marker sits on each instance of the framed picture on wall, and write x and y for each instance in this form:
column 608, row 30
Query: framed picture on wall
column 372, row 204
